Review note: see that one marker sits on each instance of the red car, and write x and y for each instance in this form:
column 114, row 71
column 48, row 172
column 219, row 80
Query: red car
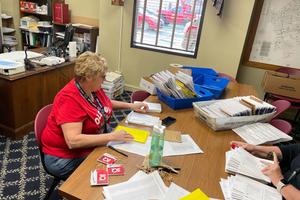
column 184, row 14
column 151, row 19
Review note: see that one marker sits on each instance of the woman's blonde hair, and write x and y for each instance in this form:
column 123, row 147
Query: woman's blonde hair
column 89, row 64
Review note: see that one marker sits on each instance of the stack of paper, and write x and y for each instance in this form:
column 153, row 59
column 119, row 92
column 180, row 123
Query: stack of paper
column 178, row 85
column 258, row 106
column 187, row 146
column 138, row 134
column 242, row 188
column 260, row 133
column 238, row 106
column 113, row 84
column 242, row 162
column 152, row 107
column 141, row 186
column 142, row 119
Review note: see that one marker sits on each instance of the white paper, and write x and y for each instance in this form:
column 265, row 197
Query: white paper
column 242, row 162
column 175, row 192
column 260, row 133
column 149, row 187
column 142, row 119
column 152, row 107
column 187, row 146
column 243, row 188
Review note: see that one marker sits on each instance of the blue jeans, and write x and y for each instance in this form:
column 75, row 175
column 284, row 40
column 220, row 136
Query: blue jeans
column 61, row 167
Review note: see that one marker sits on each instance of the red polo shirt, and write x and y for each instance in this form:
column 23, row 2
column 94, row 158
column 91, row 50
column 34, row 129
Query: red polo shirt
column 70, row 106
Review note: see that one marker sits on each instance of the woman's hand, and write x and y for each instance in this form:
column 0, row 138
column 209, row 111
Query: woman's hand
column 249, row 147
column 139, row 107
column 273, row 171
column 121, row 135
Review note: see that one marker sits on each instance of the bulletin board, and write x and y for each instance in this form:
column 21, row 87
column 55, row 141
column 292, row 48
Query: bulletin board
column 273, row 38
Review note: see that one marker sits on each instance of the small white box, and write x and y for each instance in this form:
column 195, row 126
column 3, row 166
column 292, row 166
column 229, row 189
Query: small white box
column 147, row 84
column 226, row 123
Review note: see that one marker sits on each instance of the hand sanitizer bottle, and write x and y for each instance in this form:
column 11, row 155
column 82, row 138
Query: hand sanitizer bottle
column 157, row 145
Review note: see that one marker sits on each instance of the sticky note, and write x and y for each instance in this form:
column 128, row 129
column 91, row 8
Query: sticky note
column 196, row 195
column 138, row 134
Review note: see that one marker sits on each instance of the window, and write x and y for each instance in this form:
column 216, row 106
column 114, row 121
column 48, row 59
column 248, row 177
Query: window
column 171, row 26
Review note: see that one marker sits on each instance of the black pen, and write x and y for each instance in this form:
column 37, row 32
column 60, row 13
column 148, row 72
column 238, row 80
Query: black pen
column 120, row 152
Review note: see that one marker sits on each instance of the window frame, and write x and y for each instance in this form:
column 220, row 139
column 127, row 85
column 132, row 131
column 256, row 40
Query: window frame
column 168, row 50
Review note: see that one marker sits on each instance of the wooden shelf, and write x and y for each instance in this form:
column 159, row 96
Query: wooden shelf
column 34, row 13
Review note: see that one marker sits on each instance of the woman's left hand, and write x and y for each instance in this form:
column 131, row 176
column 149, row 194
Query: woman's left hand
column 139, row 107
column 273, row 171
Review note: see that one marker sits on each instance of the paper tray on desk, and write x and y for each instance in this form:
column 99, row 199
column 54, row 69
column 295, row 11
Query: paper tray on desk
column 226, row 123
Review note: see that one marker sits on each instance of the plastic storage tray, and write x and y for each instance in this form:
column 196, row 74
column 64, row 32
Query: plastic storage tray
column 214, row 84
column 226, row 123
column 175, row 104
column 201, row 70
column 208, row 79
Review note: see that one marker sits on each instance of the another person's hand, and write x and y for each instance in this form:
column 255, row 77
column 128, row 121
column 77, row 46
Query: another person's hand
column 139, row 107
column 246, row 146
column 121, row 135
column 273, row 171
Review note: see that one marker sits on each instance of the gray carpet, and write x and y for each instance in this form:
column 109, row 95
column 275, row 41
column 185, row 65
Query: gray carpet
column 21, row 173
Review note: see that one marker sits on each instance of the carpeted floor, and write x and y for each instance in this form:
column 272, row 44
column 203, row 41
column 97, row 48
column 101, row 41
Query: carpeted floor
column 21, row 173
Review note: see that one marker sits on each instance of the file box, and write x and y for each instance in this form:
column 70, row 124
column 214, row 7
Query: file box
column 227, row 123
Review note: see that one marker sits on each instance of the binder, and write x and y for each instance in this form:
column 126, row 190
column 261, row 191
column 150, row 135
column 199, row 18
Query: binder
column 61, row 13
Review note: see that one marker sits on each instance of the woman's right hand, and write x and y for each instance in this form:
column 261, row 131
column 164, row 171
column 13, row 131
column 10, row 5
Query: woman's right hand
column 246, row 146
column 121, row 135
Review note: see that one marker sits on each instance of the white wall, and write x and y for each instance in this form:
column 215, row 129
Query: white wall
column 221, row 43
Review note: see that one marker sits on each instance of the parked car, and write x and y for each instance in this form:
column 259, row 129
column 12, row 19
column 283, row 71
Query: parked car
column 184, row 14
column 151, row 19
column 190, row 30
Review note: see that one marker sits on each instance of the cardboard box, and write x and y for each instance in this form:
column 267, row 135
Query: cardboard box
column 147, row 84
column 281, row 84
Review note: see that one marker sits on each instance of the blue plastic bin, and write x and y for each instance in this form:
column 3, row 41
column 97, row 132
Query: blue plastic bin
column 214, row 84
column 201, row 70
column 175, row 104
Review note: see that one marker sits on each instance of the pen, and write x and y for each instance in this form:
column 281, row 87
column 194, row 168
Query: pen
column 116, row 150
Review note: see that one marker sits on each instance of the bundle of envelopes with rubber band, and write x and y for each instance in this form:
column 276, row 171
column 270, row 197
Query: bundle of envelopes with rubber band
column 235, row 112
column 178, row 90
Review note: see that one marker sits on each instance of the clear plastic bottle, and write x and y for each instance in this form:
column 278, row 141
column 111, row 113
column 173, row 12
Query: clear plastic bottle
column 157, row 145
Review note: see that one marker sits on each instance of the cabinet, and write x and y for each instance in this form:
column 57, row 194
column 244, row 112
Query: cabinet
column 84, row 35
column 36, row 23
column 9, row 39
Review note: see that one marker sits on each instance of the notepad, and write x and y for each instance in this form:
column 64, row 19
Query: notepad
column 138, row 134
column 196, row 195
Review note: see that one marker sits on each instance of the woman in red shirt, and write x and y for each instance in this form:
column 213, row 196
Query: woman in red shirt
column 80, row 115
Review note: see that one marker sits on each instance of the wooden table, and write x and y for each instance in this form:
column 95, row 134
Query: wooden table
column 23, row 95
column 197, row 171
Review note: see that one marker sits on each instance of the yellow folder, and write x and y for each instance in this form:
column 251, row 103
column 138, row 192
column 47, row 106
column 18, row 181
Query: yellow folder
column 196, row 195
column 138, row 134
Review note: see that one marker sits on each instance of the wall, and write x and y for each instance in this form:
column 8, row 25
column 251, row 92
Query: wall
column 11, row 7
column 221, row 43
column 252, row 76
column 84, row 11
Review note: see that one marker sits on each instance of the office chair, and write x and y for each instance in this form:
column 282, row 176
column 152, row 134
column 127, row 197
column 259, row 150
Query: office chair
column 139, row 95
column 39, row 125
column 281, row 106
column 282, row 125
column 223, row 75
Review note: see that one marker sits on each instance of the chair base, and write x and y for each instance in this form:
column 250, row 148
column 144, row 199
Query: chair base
column 50, row 191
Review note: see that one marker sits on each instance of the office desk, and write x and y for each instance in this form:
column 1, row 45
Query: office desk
column 197, row 171
column 23, row 95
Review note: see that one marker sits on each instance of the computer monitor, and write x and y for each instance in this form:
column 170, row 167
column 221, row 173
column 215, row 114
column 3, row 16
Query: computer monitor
column 69, row 33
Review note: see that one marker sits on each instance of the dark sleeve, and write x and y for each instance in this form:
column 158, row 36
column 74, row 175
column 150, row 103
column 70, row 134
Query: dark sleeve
column 289, row 152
